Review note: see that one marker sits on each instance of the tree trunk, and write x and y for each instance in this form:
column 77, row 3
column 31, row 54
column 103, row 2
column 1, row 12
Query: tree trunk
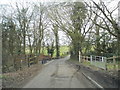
column 57, row 45
column 75, row 50
column 24, row 44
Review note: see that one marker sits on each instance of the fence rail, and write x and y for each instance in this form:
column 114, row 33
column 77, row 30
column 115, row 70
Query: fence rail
column 114, row 57
column 101, row 62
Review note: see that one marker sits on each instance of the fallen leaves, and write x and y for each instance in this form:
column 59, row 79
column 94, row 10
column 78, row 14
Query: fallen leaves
column 17, row 79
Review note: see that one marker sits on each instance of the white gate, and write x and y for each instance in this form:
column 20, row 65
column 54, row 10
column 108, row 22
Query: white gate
column 98, row 61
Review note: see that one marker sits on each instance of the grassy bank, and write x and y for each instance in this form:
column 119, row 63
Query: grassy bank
column 88, row 63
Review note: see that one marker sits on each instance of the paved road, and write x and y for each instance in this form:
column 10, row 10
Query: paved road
column 58, row 74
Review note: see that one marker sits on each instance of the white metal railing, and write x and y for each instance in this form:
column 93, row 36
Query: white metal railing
column 100, row 61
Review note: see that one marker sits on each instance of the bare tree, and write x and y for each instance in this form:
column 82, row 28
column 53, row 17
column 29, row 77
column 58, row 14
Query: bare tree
column 109, row 23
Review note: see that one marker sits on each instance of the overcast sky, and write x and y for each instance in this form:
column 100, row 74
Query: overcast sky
column 111, row 4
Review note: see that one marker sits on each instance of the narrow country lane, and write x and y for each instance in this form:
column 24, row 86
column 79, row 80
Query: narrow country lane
column 58, row 74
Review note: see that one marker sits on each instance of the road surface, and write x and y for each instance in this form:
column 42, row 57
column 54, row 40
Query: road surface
column 58, row 74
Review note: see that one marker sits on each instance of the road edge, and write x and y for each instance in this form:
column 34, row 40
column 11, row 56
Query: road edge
column 93, row 81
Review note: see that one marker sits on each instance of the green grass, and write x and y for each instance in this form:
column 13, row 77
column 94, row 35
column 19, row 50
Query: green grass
column 113, row 67
column 86, row 63
column 2, row 76
column 109, row 66
column 99, row 64
column 63, row 50
column 76, row 61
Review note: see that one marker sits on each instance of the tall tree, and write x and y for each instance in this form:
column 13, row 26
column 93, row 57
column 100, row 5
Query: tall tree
column 109, row 22
column 55, row 30
column 78, row 16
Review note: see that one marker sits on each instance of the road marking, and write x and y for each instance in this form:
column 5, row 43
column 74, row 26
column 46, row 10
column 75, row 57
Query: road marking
column 92, row 80
column 49, row 62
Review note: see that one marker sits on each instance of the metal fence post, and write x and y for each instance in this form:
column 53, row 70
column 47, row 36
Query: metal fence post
column 91, row 59
column 102, row 59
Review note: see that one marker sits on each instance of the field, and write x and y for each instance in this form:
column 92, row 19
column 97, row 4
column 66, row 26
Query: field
column 63, row 51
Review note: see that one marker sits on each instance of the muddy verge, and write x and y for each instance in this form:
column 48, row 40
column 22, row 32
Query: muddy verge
column 107, row 79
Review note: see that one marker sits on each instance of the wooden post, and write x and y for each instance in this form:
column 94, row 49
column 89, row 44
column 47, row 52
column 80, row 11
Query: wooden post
column 84, row 59
column 114, row 62
column 95, row 58
column 28, row 61
column 21, row 65
column 105, row 63
column 87, row 58
column 91, row 59
column 79, row 56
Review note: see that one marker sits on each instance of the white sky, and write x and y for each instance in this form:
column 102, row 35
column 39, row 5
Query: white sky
column 110, row 3
column 113, row 2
